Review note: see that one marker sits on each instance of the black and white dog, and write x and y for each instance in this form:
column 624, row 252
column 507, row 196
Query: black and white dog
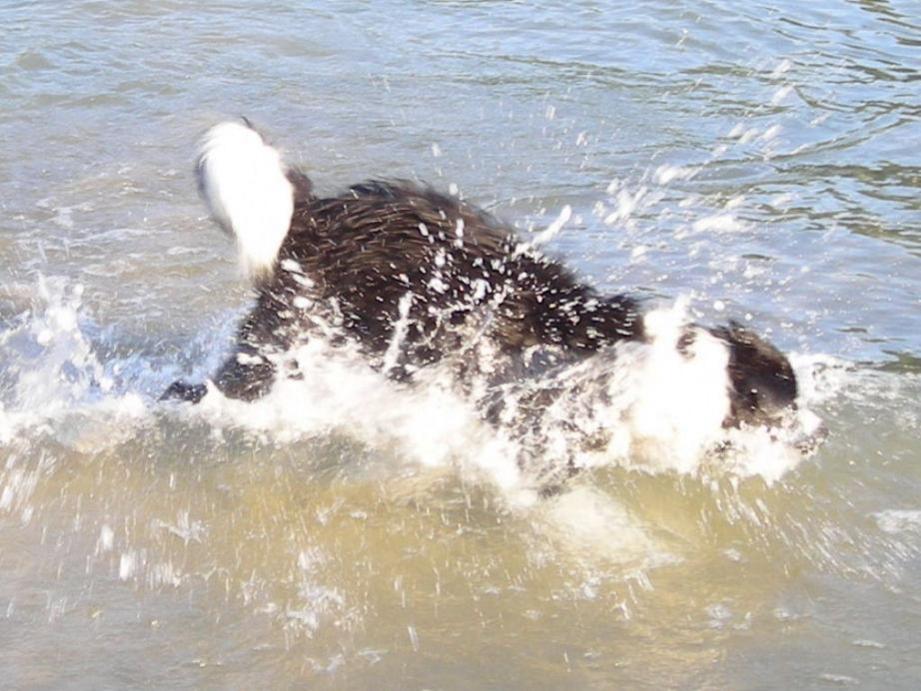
column 413, row 277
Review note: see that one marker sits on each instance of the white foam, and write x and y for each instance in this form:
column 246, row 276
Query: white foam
column 666, row 173
column 718, row 223
column 896, row 521
column 590, row 525
column 645, row 406
column 58, row 377
column 781, row 94
column 337, row 391
column 549, row 233
column 782, row 68
column 626, row 204
column 673, row 403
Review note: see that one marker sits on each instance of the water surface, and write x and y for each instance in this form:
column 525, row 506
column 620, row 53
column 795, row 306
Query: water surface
column 758, row 162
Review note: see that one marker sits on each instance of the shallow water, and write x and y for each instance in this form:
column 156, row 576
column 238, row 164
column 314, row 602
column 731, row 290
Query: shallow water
column 758, row 163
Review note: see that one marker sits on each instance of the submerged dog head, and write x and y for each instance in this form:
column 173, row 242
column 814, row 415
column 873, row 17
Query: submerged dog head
column 762, row 383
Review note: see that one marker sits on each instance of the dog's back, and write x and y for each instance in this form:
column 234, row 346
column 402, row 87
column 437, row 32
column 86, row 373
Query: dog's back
column 394, row 253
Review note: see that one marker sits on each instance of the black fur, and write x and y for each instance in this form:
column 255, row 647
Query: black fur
column 353, row 260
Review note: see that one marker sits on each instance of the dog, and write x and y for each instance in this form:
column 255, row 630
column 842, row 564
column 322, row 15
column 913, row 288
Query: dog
column 413, row 277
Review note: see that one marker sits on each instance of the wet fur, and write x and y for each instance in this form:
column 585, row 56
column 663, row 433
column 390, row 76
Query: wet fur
column 396, row 257
column 353, row 259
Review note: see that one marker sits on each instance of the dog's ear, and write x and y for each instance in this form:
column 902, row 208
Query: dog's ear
column 762, row 381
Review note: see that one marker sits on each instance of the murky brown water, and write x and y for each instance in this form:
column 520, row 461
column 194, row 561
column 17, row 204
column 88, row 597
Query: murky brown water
column 760, row 162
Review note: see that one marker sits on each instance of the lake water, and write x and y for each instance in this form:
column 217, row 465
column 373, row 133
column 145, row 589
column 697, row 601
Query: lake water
column 757, row 161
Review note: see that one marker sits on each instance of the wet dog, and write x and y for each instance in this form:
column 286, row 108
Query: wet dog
column 414, row 277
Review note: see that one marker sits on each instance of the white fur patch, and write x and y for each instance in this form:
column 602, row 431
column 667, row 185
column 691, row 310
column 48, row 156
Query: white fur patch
column 674, row 402
column 244, row 183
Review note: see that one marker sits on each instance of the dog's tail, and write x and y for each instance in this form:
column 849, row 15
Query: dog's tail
column 247, row 187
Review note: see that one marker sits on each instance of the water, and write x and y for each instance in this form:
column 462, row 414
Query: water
column 756, row 162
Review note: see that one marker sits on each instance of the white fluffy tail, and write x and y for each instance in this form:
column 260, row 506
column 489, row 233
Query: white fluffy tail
column 244, row 182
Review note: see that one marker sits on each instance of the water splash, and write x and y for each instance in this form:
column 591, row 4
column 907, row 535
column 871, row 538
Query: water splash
column 640, row 405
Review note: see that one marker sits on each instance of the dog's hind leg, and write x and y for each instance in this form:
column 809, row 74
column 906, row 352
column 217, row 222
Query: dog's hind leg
column 250, row 371
column 245, row 375
column 184, row 391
